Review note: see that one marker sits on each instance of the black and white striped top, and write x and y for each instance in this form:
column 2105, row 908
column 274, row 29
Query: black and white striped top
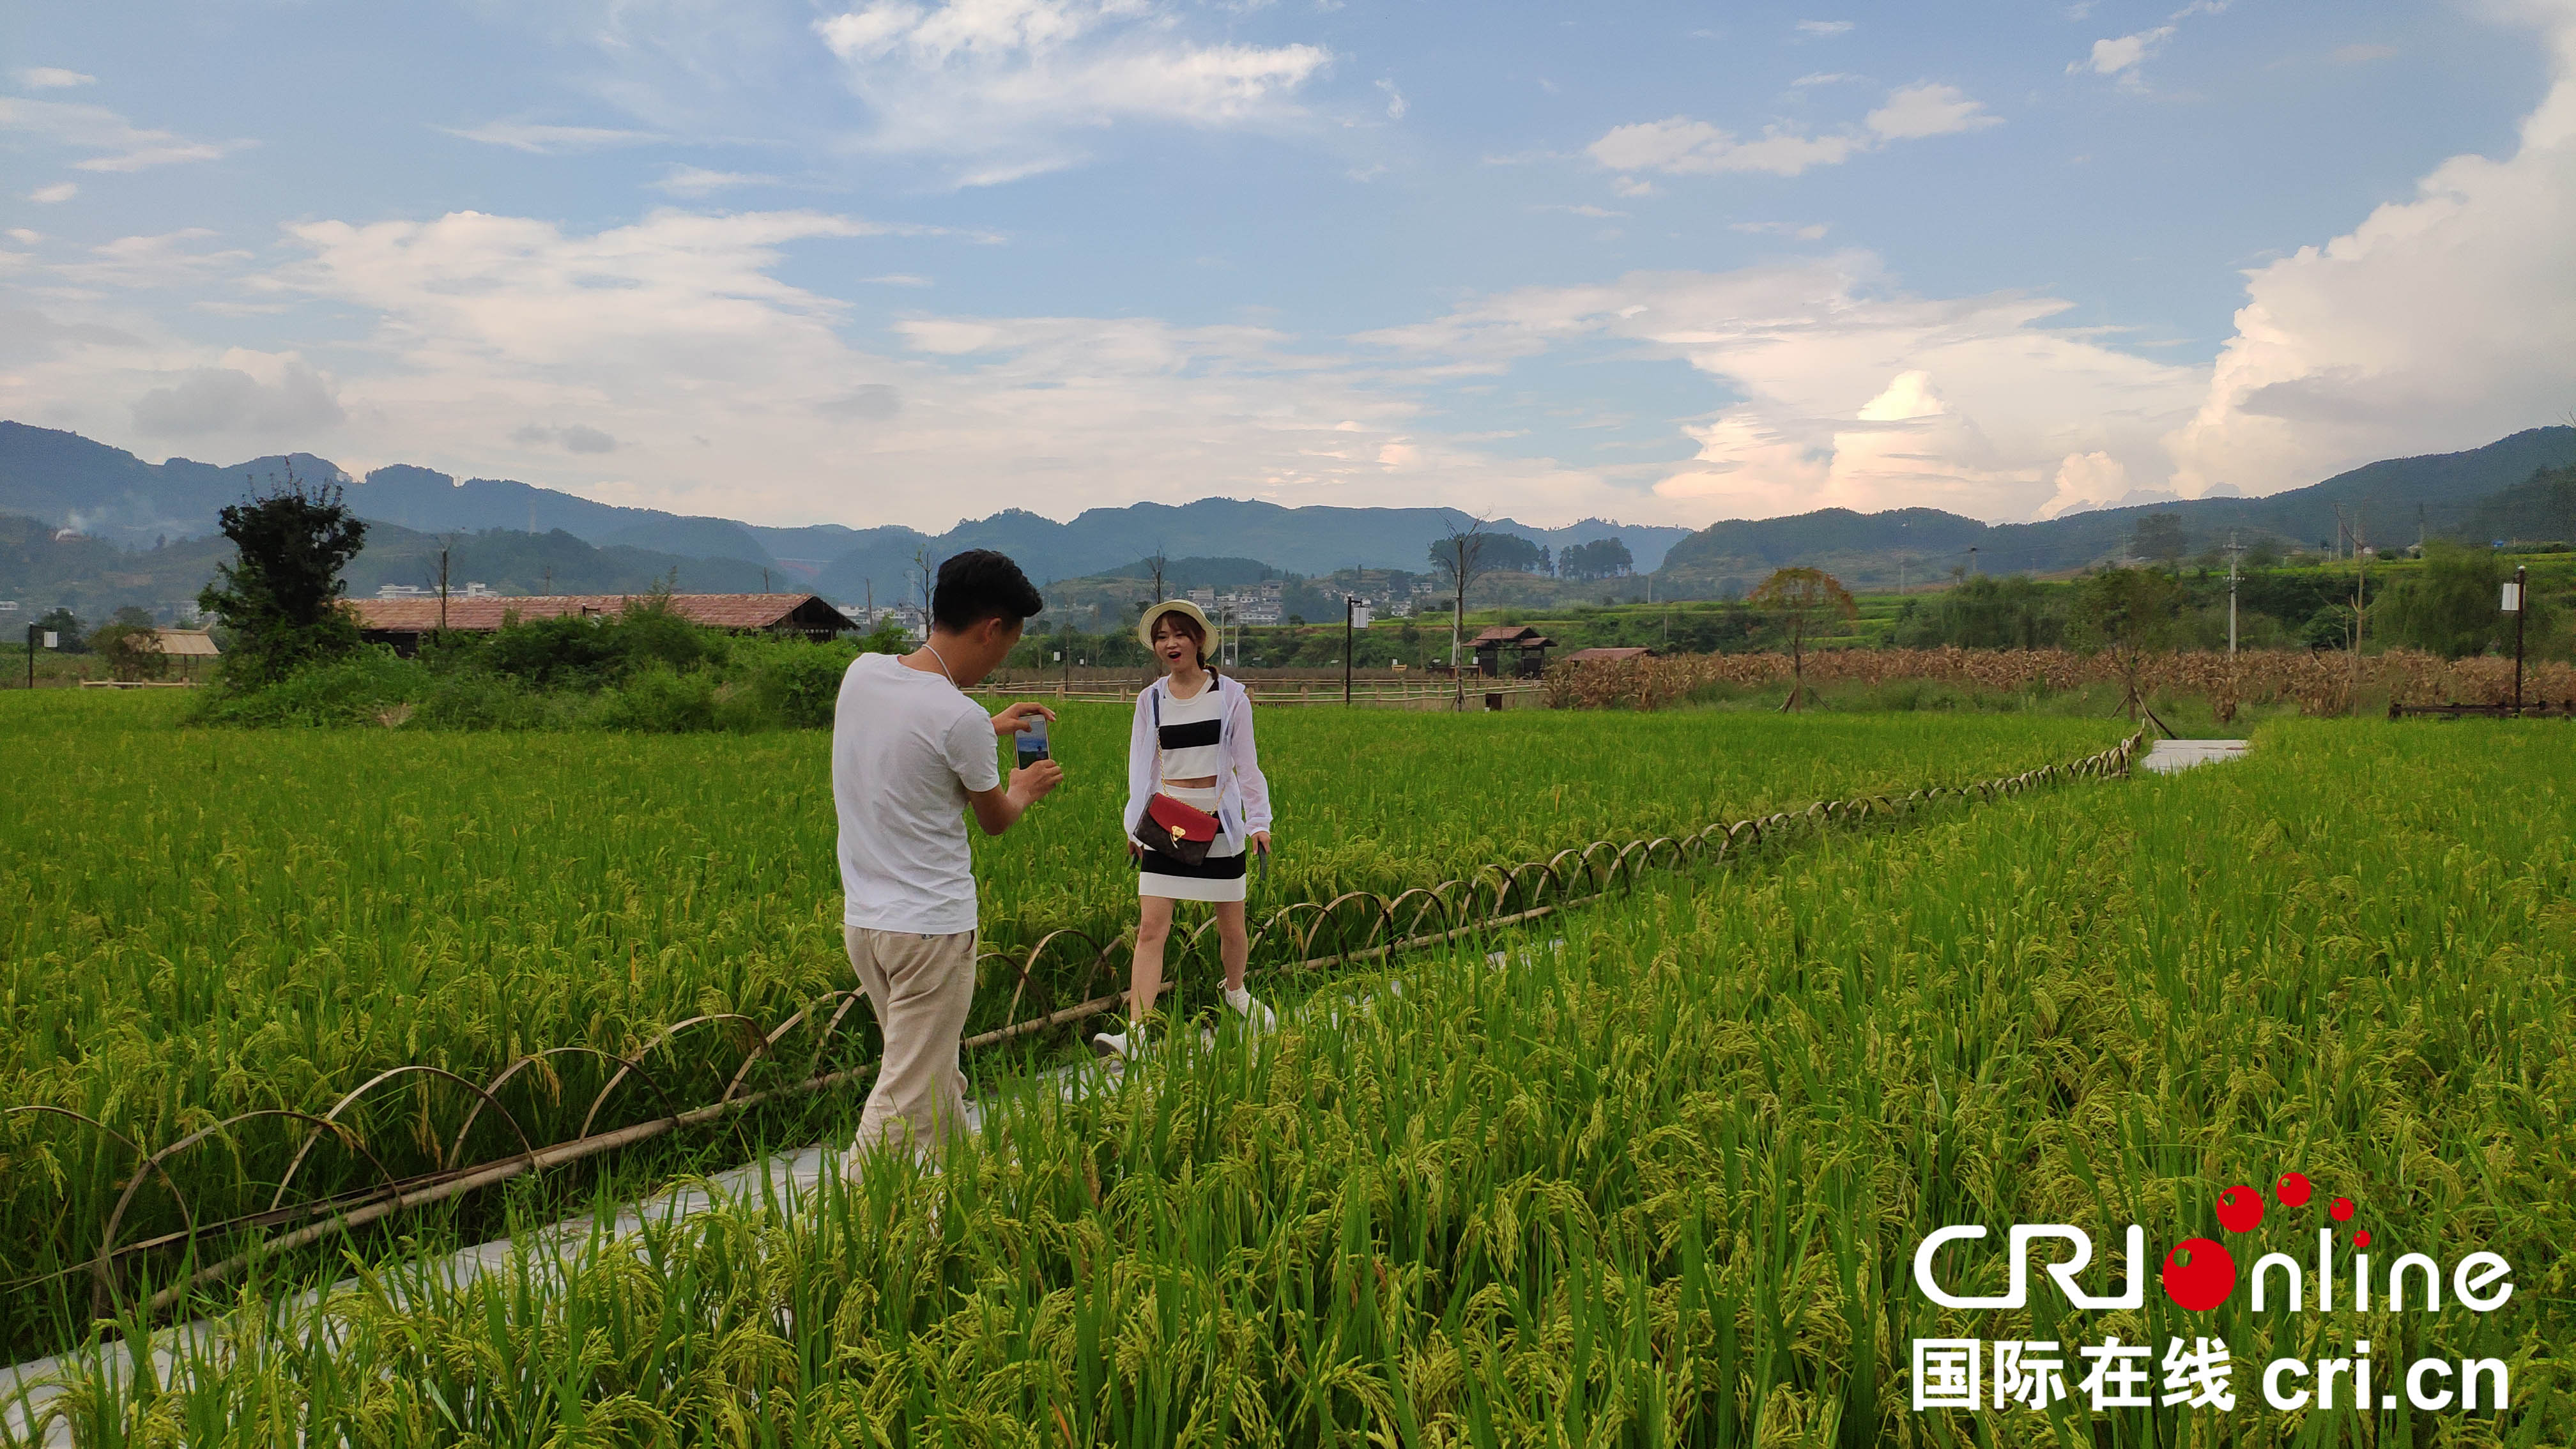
column 1192, row 731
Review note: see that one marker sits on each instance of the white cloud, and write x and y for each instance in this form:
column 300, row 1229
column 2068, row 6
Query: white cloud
column 717, row 387
column 539, row 140
column 575, row 438
column 170, row 259
column 1684, row 147
column 698, row 181
column 53, row 78
column 2438, row 323
column 1681, row 146
column 1823, row 78
column 25, row 238
column 2087, row 480
column 1824, row 27
column 250, row 393
column 1809, row 231
column 60, row 191
column 1846, row 391
column 1395, row 106
column 2115, row 57
column 95, row 128
column 1009, row 83
column 1915, row 112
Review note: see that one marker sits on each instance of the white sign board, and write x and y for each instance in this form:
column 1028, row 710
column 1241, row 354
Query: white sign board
column 1359, row 616
column 2513, row 598
column 53, row 640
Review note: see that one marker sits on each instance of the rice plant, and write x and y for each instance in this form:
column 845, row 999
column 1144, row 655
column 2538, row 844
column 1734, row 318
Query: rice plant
column 203, row 923
column 1659, row 1181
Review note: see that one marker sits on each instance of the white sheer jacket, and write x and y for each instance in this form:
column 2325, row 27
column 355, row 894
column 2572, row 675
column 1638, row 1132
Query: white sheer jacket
column 1243, row 795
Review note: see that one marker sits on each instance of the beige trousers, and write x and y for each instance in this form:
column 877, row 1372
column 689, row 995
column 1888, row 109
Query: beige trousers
column 920, row 988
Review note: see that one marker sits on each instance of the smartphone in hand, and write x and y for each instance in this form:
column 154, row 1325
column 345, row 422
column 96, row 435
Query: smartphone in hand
column 1031, row 743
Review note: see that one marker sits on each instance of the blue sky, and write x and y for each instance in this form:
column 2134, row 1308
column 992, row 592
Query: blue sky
column 903, row 261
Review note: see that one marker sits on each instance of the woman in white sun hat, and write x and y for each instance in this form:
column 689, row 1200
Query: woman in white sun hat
column 1192, row 745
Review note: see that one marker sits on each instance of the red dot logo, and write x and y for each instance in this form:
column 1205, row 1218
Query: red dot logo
column 2361, row 1239
column 2199, row 1274
column 2341, row 1211
column 2292, row 1190
column 2240, row 1209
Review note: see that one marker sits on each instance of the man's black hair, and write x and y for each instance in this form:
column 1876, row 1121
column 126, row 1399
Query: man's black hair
column 980, row 584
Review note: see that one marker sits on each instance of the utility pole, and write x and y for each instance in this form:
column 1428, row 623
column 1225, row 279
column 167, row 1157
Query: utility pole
column 2513, row 595
column 442, row 587
column 32, row 632
column 1972, row 558
column 764, row 581
column 1349, row 604
column 2232, row 552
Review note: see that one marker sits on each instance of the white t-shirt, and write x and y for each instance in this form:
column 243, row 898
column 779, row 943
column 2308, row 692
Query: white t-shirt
column 907, row 748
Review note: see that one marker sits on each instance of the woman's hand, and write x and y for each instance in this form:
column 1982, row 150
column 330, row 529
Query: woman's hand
column 1261, row 841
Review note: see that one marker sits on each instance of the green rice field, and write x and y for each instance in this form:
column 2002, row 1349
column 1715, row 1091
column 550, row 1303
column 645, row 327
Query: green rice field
column 202, row 923
column 1655, row 1174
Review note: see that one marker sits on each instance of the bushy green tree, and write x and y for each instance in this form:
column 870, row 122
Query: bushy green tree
column 2450, row 606
column 131, row 644
column 70, row 635
column 280, row 595
column 2130, row 614
column 1803, row 601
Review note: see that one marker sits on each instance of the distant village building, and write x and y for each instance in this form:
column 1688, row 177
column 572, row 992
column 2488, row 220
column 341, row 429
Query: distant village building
column 401, row 621
column 1608, row 655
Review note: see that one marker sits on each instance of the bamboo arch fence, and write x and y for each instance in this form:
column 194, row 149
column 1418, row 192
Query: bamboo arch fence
column 1305, row 936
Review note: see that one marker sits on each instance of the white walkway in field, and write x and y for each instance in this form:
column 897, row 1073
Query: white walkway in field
column 2171, row 755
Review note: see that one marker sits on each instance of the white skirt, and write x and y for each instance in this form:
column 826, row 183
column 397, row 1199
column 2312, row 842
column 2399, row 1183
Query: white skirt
column 1218, row 878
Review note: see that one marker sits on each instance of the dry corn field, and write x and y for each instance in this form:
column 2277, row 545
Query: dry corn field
column 1651, row 1172
column 2318, row 683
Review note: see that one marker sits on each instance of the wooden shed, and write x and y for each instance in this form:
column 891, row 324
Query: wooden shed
column 1528, row 645
column 401, row 622
column 187, row 646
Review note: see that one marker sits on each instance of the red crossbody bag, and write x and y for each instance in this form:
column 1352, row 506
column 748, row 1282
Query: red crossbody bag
column 1181, row 832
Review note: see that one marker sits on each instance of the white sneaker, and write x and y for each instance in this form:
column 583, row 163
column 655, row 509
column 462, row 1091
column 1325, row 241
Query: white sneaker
column 1260, row 1017
column 1120, row 1045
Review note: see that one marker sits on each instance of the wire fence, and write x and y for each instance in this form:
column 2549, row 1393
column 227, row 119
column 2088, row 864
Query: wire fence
column 1055, row 982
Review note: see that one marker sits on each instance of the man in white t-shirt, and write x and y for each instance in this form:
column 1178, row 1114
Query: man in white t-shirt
column 911, row 754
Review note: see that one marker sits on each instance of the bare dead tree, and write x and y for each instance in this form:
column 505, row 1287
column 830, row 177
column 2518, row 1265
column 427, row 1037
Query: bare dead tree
column 1460, row 554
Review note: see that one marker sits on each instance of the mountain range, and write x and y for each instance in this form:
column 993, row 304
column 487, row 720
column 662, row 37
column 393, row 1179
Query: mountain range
column 145, row 530
column 2391, row 501
column 104, row 492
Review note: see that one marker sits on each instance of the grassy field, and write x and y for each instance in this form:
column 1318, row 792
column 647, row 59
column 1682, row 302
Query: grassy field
column 201, row 923
column 1661, row 1183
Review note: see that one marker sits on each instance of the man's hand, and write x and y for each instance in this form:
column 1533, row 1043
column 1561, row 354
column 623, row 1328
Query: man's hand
column 1016, row 718
column 999, row 808
column 1030, row 785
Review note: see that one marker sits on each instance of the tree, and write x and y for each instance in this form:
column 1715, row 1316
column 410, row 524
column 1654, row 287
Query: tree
column 131, row 644
column 280, row 595
column 1807, row 601
column 1602, row 558
column 1506, row 553
column 69, row 635
column 2450, row 607
column 2159, row 537
column 2129, row 614
column 1461, row 556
